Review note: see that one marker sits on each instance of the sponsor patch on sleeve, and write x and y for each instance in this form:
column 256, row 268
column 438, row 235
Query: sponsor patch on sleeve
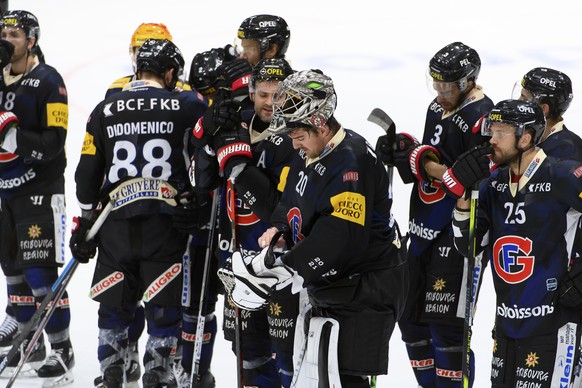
column 88, row 145
column 350, row 207
column 283, row 179
column 57, row 115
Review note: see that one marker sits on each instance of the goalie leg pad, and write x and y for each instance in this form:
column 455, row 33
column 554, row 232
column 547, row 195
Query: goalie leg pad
column 319, row 365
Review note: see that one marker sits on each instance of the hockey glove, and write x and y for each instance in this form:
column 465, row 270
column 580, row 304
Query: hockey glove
column 418, row 157
column 82, row 249
column 234, row 77
column 250, row 290
column 268, row 263
column 232, row 147
column 189, row 214
column 223, row 114
column 6, row 51
column 471, row 167
column 570, row 290
column 8, row 120
column 403, row 145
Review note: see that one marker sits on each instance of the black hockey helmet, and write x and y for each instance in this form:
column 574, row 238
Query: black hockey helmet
column 270, row 69
column 266, row 29
column 24, row 20
column 159, row 56
column 520, row 114
column 203, row 69
column 549, row 86
column 456, row 62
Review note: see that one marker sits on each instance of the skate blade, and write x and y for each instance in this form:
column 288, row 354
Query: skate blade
column 28, row 370
column 59, row 381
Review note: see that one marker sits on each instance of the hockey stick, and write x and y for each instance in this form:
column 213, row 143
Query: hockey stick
column 231, row 210
column 127, row 192
column 204, row 287
column 468, row 321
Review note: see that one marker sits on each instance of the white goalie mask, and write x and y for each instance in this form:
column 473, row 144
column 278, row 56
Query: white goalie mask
column 304, row 99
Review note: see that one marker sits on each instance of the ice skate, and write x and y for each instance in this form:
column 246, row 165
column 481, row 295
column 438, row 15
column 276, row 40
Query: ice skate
column 34, row 361
column 57, row 370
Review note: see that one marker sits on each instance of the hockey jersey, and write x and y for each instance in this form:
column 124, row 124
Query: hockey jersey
column 32, row 159
column 529, row 235
column 451, row 133
column 139, row 132
column 562, row 143
column 338, row 210
column 257, row 189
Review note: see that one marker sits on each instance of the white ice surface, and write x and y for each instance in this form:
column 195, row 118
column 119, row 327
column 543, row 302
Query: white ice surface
column 375, row 51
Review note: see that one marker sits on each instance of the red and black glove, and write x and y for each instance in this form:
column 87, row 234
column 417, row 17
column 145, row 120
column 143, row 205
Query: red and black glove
column 234, row 77
column 82, row 249
column 471, row 167
column 417, row 158
column 404, row 144
column 7, row 121
column 232, row 147
column 224, row 114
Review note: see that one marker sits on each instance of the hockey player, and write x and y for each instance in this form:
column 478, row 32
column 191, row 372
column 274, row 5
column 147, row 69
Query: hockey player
column 552, row 90
column 205, row 68
column 33, row 130
column 139, row 240
column 263, row 36
column 527, row 212
column 142, row 33
column 9, row 326
column 267, row 334
column 345, row 247
column 432, row 326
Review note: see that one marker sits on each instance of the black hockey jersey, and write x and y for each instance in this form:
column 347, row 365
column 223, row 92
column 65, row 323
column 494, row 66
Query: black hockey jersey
column 257, row 188
column 338, row 210
column 139, row 132
column 562, row 143
column 529, row 237
column 451, row 133
column 34, row 160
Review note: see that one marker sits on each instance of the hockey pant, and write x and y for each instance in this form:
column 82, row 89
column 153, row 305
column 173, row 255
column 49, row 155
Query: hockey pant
column 435, row 353
column 551, row 360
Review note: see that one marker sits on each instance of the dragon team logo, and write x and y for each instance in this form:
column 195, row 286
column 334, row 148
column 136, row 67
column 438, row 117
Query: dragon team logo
column 511, row 258
column 295, row 220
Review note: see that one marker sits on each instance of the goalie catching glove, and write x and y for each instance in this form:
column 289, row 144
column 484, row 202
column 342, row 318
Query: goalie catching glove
column 253, row 281
column 471, row 167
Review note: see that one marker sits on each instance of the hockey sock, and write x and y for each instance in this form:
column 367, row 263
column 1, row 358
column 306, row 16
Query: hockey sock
column 421, row 355
column 112, row 347
column 137, row 324
column 188, row 341
column 21, row 299
column 449, row 365
column 157, row 356
column 263, row 376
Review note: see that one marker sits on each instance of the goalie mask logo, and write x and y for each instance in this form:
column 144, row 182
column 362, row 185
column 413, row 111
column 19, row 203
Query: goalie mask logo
column 511, row 258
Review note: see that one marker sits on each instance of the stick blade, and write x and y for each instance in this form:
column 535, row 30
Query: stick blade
column 381, row 118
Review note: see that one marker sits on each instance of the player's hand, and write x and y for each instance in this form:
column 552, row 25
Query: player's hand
column 232, row 147
column 403, row 145
column 6, row 51
column 82, row 249
column 570, row 290
column 189, row 214
column 471, row 167
column 234, row 77
column 7, row 120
